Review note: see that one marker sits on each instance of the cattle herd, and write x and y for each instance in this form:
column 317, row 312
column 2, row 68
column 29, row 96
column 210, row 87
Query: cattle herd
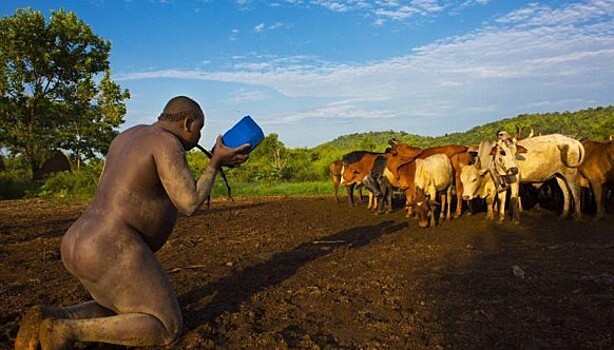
column 495, row 172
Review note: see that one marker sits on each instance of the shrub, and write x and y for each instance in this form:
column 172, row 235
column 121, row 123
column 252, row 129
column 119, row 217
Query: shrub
column 73, row 185
column 16, row 184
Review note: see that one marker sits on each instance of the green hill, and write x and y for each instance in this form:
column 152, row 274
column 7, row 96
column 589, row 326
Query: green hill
column 593, row 123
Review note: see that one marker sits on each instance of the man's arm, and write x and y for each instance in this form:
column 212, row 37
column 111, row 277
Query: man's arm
column 186, row 194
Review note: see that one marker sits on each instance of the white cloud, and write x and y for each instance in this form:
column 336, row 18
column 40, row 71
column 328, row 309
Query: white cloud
column 262, row 27
column 542, row 15
column 395, row 10
column 244, row 96
column 233, row 34
column 339, row 110
column 532, row 59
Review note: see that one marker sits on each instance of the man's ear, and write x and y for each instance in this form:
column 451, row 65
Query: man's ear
column 187, row 124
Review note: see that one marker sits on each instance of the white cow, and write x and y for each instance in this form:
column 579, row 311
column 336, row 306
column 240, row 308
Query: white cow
column 433, row 175
column 536, row 160
column 478, row 182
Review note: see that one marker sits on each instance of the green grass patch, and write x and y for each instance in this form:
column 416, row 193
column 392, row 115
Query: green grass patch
column 263, row 189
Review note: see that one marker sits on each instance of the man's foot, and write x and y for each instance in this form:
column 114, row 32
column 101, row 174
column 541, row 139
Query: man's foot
column 55, row 334
column 27, row 337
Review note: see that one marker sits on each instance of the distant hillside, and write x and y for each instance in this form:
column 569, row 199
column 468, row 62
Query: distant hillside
column 594, row 123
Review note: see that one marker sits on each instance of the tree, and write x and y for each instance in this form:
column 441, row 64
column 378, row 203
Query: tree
column 272, row 154
column 49, row 94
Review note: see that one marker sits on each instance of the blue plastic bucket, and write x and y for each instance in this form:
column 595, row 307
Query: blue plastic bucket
column 245, row 131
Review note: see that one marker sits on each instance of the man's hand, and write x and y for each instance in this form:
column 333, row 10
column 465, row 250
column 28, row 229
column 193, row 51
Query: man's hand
column 229, row 157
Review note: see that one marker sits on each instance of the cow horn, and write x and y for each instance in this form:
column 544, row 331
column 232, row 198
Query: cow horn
column 518, row 131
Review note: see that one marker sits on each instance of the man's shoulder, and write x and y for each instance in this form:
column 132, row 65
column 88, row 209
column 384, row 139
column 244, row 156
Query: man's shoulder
column 151, row 132
column 147, row 138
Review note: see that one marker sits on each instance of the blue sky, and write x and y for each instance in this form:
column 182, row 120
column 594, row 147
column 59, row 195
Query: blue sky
column 313, row 70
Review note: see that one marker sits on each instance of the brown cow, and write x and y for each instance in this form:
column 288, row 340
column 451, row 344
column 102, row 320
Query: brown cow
column 356, row 165
column 401, row 167
column 334, row 169
column 598, row 169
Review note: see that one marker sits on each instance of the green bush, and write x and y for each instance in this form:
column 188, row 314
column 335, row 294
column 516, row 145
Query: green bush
column 16, row 184
column 78, row 185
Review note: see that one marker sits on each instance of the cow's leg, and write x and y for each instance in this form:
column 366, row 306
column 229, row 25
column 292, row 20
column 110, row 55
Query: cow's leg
column 389, row 199
column 449, row 200
column 409, row 210
column 442, row 212
column 373, row 199
column 459, row 195
column 350, row 189
column 566, row 196
column 360, row 194
column 490, row 210
column 381, row 201
column 574, row 189
column 336, row 185
column 502, row 202
column 599, row 195
column 514, row 192
column 433, row 196
column 433, row 221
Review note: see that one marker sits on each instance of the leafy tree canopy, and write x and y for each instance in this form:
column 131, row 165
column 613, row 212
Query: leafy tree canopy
column 55, row 87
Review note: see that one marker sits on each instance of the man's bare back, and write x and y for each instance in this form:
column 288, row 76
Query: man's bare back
column 145, row 182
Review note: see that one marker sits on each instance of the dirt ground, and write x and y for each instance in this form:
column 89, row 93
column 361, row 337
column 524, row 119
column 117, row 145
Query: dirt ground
column 308, row 273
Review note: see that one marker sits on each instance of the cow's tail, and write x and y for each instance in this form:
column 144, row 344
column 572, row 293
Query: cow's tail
column 566, row 154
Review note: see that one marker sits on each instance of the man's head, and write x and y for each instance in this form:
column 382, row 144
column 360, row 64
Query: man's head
column 185, row 118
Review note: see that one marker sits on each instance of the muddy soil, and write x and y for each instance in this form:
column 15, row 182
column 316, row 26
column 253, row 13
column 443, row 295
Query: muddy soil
column 308, row 273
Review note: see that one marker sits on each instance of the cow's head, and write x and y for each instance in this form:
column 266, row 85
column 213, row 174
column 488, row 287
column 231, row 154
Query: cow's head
column 350, row 175
column 504, row 155
column 422, row 205
column 394, row 144
column 471, row 178
column 402, row 149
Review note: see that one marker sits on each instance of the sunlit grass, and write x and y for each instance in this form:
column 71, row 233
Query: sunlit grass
column 312, row 188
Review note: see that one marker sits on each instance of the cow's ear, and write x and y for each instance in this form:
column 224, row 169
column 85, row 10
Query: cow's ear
column 483, row 172
column 473, row 156
column 493, row 151
column 521, row 149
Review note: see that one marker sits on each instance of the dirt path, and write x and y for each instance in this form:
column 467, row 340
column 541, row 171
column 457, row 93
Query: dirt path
column 308, row 273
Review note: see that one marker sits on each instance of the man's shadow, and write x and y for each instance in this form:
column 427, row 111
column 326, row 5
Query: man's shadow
column 227, row 294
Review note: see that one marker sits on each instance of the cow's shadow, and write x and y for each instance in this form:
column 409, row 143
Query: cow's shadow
column 227, row 294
